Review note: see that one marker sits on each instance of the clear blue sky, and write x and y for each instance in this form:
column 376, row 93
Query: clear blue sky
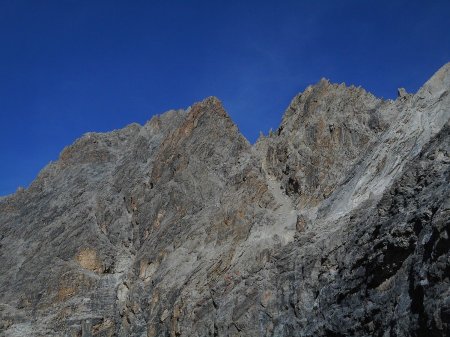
column 72, row 66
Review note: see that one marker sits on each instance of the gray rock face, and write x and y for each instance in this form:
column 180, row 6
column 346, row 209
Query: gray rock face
column 336, row 224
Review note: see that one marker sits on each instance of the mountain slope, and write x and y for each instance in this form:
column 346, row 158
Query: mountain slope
column 336, row 224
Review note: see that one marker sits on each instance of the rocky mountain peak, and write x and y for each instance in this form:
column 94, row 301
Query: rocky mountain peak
column 438, row 83
column 324, row 132
column 336, row 224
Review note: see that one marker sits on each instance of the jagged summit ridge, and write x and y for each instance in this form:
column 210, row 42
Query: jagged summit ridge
column 335, row 224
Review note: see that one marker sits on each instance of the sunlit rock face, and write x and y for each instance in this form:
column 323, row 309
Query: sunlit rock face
column 336, row 224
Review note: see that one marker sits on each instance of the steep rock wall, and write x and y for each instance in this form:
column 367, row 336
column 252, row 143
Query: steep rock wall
column 334, row 225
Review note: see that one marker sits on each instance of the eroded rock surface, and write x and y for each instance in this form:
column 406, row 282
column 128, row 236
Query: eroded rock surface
column 336, row 224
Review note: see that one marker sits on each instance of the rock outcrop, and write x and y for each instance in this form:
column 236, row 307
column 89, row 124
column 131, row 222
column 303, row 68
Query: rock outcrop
column 336, row 224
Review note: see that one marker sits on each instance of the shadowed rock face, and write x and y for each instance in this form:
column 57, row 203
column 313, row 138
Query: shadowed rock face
column 324, row 132
column 336, row 224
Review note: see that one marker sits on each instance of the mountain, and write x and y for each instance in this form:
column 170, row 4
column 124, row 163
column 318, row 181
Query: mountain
column 336, row 224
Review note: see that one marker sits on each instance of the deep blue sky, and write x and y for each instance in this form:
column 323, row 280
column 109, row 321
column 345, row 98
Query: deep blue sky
column 72, row 66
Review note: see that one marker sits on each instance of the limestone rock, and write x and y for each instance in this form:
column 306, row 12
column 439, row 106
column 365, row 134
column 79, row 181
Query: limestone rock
column 401, row 93
column 335, row 224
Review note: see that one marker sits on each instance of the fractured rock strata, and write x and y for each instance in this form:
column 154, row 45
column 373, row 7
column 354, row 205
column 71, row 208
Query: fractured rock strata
column 336, row 224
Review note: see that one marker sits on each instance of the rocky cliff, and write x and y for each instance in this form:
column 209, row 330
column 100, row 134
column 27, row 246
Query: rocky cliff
column 336, row 224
